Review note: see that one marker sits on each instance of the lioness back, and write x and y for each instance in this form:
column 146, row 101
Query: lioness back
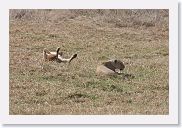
column 110, row 67
column 103, row 70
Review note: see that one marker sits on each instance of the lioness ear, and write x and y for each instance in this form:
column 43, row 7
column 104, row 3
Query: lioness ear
column 115, row 61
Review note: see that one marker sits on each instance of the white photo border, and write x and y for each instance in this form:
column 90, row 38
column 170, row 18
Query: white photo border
column 172, row 118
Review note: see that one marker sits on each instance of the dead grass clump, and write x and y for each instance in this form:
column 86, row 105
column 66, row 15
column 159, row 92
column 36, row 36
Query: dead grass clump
column 117, row 18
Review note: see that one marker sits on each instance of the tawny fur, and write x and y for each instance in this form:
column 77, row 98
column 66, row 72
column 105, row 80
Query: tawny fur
column 56, row 56
column 111, row 67
column 50, row 57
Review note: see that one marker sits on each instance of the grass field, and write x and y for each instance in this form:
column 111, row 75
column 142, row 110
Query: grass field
column 137, row 37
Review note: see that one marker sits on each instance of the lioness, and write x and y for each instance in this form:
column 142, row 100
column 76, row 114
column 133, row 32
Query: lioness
column 111, row 67
column 56, row 56
column 49, row 56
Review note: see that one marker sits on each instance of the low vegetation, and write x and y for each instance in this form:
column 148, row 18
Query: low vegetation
column 137, row 37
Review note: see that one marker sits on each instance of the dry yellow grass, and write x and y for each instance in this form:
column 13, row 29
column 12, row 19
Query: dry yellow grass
column 137, row 37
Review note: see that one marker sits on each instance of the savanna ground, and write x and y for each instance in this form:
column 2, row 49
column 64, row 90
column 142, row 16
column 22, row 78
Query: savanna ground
column 137, row 37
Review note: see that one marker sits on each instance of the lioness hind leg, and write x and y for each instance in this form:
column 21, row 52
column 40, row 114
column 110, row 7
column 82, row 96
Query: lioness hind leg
column 73, row 57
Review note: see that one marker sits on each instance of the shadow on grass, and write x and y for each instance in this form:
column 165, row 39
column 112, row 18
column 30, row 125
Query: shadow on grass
column 126, row 76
